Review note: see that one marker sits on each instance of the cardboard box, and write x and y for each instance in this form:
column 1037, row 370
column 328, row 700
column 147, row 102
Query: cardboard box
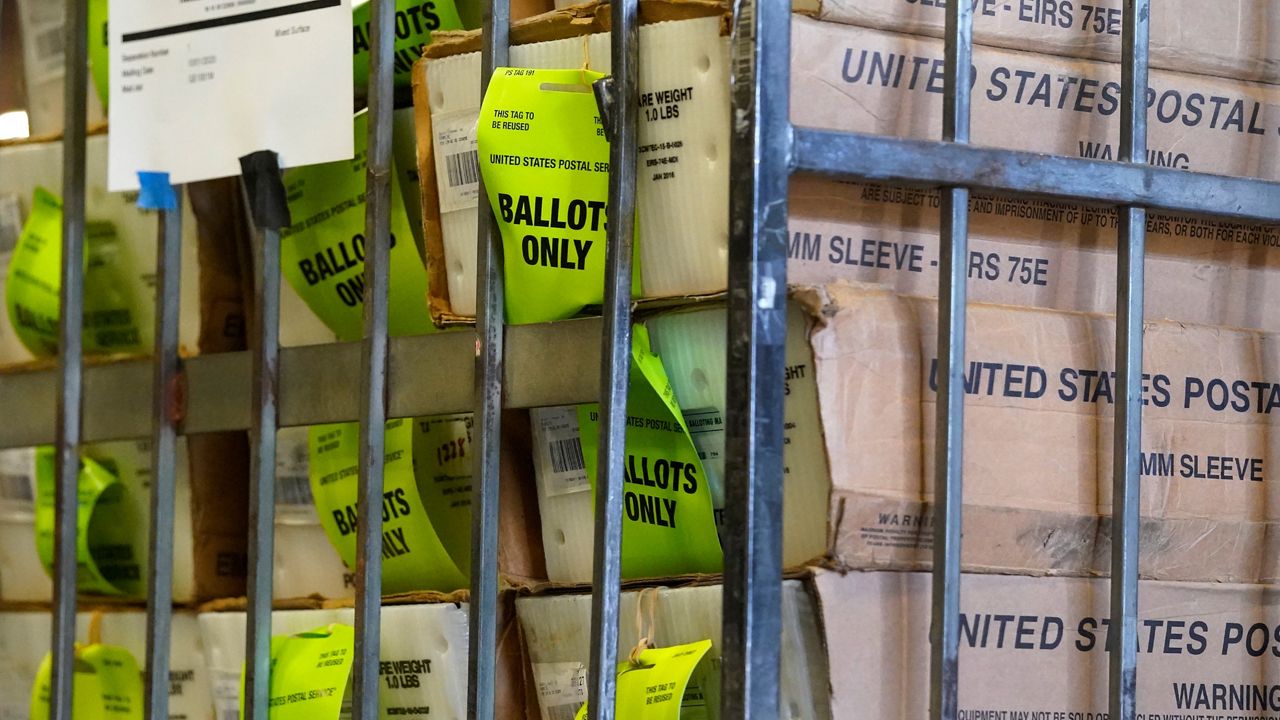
column 1232, row 39
column 861, row 80
column 423, row 660
column 1037, row 647
column 1047, row 254
column 557, row 634
column 682, row 193
column 1033, row 253
column 859, row 427
column 308, row 566
column 26, row 165
column 25, row 641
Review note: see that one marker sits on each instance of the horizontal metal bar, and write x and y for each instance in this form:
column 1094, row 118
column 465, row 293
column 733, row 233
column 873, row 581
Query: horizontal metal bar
column 855, row 156
column 318, row 384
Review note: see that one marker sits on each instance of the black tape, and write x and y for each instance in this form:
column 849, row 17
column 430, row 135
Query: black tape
column 267, row 200
column 603, row 90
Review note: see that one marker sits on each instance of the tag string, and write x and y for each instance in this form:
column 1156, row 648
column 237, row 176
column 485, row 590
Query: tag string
column 645, row 636
column 95, row 627
column 586, row 58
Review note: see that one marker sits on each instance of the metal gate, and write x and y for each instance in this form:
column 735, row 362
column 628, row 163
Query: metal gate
column 238, row 392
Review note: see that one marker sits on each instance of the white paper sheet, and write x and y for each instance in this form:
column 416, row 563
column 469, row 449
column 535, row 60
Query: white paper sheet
column 195, row 84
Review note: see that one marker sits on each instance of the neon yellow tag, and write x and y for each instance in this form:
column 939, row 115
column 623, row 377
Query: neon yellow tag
column 31, row 288
column 442, row 465
column 322, row 253
column 668, row 525
column 415, row 20
column 310, row 673
column 107, row 684
column 545, row 163
column 98, row 63
column 660, row 685
column 106, row 560
column 413, row 555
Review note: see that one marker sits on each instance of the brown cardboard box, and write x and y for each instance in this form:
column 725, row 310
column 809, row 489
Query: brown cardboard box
column 1228, row 38
column 1034, row 253
column 1036, row 648
column 1038, row 424
column 856, row 79
column 1046, row 254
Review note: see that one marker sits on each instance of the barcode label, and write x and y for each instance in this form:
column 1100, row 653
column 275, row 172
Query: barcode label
column 16, row 488
column 49, row 44
column 42, row 22
column 293, row 490
column 562, row 688
column 463, row 168
column 566, row 455
column 558, row 450
column 17, row 483
column 294, row 504
column 454, row 145
column 561, row 712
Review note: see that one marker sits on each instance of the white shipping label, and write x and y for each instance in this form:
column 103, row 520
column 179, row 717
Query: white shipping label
column 561, row 687
column 42, row 39
column 226, row 694
column 194, row 86
column 558, row 449
column 706, row 428
column 10, row 226
column 294, row 504
column 17, row 484
column 457, row 166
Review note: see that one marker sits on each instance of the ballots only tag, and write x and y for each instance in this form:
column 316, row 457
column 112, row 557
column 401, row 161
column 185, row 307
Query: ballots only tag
column 111, row 323
column 668, row 521
column 106, row 562
column 322, row 252
column 661, row 684
column 106, row 682
column 310, row 674
column 545, row 164
column 442, row 463
column 415, row 21
column 413, row 555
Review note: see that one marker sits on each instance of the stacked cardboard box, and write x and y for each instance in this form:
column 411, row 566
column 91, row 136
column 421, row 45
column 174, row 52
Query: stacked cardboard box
column 861, row 356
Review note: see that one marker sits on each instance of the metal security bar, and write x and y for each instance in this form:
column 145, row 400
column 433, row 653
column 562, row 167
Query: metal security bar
column 489, row 390
column 621, row 109
column 164, row 456
column 373, row 411
column 70, row 360
column 264, row 389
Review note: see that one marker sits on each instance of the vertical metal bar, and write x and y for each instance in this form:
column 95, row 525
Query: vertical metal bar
column 1125, row 498
column 622, row 121
column 70, row 359
column 759, row 174
column 262, row 473
column 952, row 302
column 373, row 412
column 164, row 445
column 490, row 333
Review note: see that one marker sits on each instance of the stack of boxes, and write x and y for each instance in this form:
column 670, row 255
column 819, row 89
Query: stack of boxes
column 861, row 373
column 861, row 390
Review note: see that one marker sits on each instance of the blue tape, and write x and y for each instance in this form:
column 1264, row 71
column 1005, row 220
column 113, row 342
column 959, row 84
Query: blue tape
column 155, row 192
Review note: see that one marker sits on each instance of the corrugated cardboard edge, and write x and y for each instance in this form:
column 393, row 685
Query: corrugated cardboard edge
column 438, row 304
column 219, row 462
column 574, row 21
